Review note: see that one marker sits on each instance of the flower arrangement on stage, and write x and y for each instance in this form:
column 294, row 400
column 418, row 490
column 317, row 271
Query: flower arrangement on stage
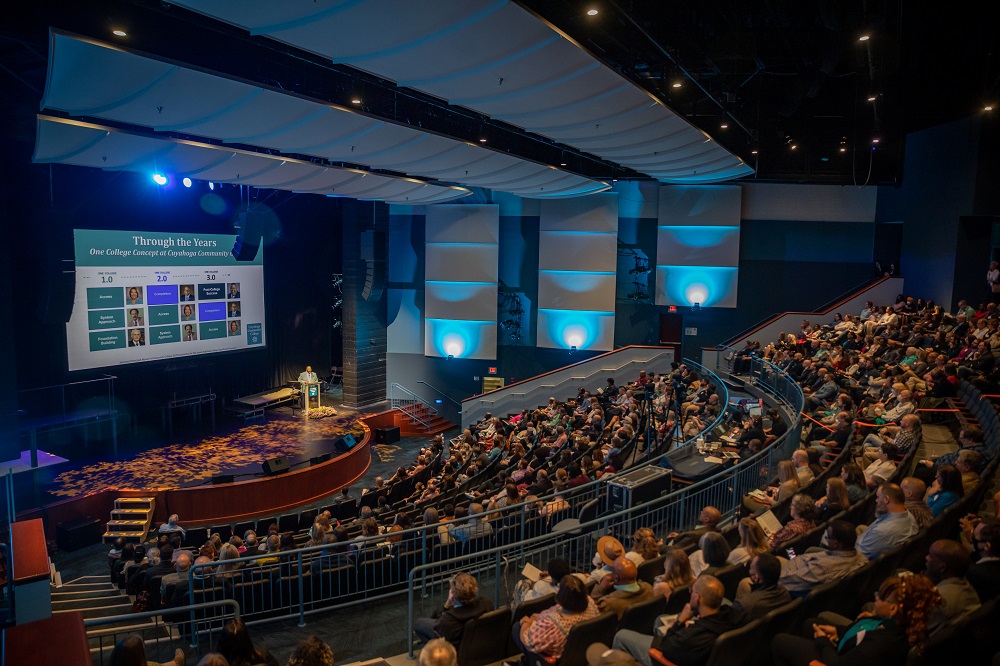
column 322, row 412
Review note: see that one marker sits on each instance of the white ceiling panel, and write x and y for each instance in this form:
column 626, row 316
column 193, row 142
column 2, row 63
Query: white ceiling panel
column 63, row 141
column 491, row 56
column 166, row 97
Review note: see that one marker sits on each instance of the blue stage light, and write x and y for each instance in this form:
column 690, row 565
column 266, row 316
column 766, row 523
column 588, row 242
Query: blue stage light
column 186, row 182
column 159, row 179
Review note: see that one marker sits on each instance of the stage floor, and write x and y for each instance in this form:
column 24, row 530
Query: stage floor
column 238, row 451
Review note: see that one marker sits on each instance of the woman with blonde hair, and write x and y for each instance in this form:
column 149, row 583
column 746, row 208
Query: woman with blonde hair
column 644, row 546
column 788, row 485
column 676, row 573
column 226, row 567
column 753, row 542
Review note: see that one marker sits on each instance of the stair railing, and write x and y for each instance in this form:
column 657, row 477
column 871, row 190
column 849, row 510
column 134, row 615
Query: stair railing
column 411, row 404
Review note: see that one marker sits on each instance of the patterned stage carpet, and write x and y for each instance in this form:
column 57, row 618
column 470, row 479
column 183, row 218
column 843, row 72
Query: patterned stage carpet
column 179, row 465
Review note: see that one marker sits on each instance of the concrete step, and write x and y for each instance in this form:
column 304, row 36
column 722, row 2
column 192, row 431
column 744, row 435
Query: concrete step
column 96, row 586
column 91, row 602
column 102, row 611
column 58, row 594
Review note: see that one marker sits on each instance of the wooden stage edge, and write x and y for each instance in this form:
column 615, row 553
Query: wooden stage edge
column 204, row 506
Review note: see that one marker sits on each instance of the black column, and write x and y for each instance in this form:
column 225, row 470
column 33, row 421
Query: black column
column 365, row 226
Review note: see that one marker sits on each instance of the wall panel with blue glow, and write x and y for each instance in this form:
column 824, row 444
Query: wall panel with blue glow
column 577, row 260
column 461, row 255
column 698, row 245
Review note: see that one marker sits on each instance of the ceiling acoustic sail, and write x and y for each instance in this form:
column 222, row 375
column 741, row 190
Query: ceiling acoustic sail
column 498, row 59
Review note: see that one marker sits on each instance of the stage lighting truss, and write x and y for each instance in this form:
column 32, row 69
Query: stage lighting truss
column 512, row 310
column 640, row 277
column 337, row 308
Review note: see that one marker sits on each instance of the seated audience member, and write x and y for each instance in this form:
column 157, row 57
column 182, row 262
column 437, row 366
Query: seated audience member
column 708, row 521
column 883, row 636
column 946, row 489
column 811, row 569
column 622, row 588
column 609, row 549
column 547, row 583
column 438, row 652
column 947, row 563
column 883, row 468
column 172, row 580
column 914, row 491
column 857, row 488
column 131, row 651
column 835, row 500
column 676, row 573
column 802, row 470
column 984, row 575
column 803, row 512
column 892, row 526
column 463, row 604
column 545, row 633
column 238, row 649
column 753, row 541
column 474, row 528
column 760, row 592
column 644, row 546
column 788, row 485
column 969, row 437
column 171, row 526
column 905, row 436
column 712, row 554
column 689, row 641
column 836, row 438
column 213, row 659
column 311, row 652
column 967, row 465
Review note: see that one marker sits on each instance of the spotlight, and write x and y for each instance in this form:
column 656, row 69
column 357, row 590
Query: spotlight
column 864, row 38
column 695, row 307
column 988, row 107
column 159, row 179
column 572, row 349
column 592, row 12
column 211, row 185
column 677, row 84
column 186, row 182
column 753, row 152
column 875, row 140
column 724, row 126
column 872, row 98
column 483, row 140
column 119, row 33
column 450, row 356
column 355, row 100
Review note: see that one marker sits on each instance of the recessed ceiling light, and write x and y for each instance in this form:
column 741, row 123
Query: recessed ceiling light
column 872, row 98
column 562, row 164
column 119, row 33
column 483, row 140
column 864, row 38
column 843, row 149
column 724, row 126
column 988, row 107
column 592, row 12
column 677, row 84
column 794, row 146
column 875, row 140
column 753, row 152
column 356, row 100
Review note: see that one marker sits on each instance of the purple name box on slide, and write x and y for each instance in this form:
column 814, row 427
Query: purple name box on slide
column 161, row 294
column 211, row 311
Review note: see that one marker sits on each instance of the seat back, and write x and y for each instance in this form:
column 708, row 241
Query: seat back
column 484, row 639
column 533, row 606
column 730, row 578
column 642, row 617
column 736, row 647
column 599, row 630
column 650, row 569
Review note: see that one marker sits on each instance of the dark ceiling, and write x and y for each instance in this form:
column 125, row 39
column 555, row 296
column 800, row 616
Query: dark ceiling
column 783, row 73
column 780, row 73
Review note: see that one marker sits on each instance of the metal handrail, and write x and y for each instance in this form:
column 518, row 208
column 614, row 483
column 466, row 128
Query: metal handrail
column 405, row 404
column 179, row 610
column 439, row 391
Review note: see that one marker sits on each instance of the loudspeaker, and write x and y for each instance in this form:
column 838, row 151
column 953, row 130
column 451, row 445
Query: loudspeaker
column 249, row 238
column 222, row 478
column 374, row 281
column 345, row 443
column 319, row 459
column 274, row 466
column 387, row 435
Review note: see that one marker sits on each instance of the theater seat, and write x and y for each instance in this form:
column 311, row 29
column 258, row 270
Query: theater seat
column 484, row 639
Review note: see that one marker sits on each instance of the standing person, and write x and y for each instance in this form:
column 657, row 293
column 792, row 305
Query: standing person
column 993, row 282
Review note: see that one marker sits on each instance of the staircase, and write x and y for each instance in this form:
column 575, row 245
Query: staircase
column 131, row 518
column 96, row 597
column 417, row 417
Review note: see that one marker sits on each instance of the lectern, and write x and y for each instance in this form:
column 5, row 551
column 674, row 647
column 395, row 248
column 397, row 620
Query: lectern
column 310, row 392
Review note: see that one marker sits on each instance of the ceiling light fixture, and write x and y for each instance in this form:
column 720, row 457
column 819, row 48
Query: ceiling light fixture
column 677, row 84
column 483, row 140
column 724, row 126
column 355, row 100
column 753, row 152
column 988, row 107
column 592, row 12
column 794, row 146
column 872, row 98
column 119, row 33
column 843, row 149
column 864, row 38
column 875, row 140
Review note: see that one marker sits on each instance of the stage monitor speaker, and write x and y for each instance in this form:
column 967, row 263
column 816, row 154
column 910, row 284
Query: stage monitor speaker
column 249, row 239
column 345, row 443
column 222, row 478
column 387, row 435
column 274, row 466
column 79, row 533
column 319, row 459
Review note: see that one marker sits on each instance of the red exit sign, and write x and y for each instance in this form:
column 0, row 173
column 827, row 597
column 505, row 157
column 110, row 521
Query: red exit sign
column 492, row 370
